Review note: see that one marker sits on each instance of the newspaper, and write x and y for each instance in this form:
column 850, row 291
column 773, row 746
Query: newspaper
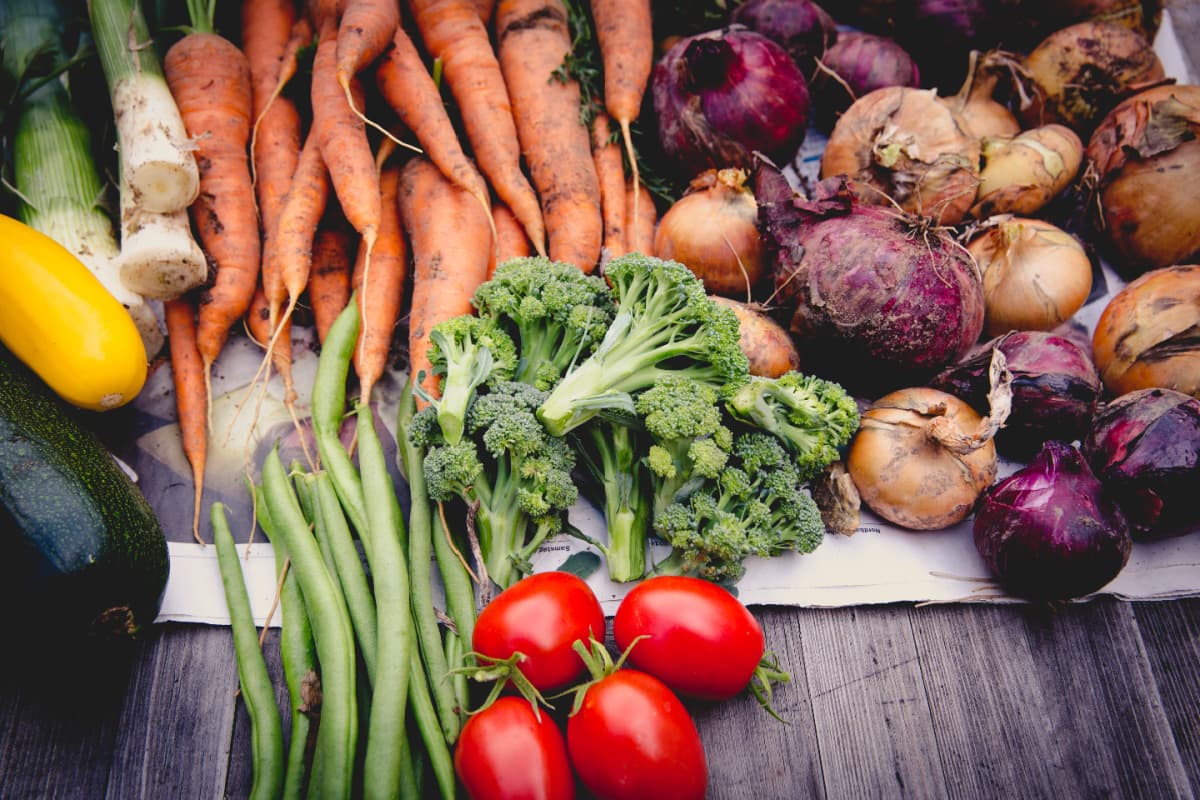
column 880, row 563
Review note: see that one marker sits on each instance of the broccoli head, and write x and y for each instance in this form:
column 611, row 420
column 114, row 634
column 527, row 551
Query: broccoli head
column 467, row 351
column 757, row 506
column 664, row 324
column 812, row 416
column 556, row 313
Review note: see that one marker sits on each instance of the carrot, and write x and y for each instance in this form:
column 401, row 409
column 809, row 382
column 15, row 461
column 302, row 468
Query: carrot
column 532, row 41
column 380, row 293
column 450, row 241
column 511, row 241
column 640, row 228
column 408, row 88
column 484, row 8
column 258, row 320
column 611, row 173
column 191, row 394
column 329, row 277
column 625, row 37
column 454, row 33
column 210, row 81
column 364, row 32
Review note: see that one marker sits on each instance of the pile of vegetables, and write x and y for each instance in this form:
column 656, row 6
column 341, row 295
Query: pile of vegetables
column 584, row 233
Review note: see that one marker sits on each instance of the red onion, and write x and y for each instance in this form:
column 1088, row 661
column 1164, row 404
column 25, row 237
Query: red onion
column 1048, row 531
column 858, row 63
column 803, row 28
column 722, row 95
column 879, row 299
column 942, row 34
column 1055, row 388
column 1145, row 448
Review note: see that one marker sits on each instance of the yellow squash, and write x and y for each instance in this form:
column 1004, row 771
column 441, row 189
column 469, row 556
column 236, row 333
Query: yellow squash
column 57, row 318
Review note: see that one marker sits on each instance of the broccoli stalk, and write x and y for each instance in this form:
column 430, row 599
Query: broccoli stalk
column 515, row 476
column 612, row 453
column 467, row 351
column 813, row 417
column 556, row 314
column 664, row 324
column 756, row 507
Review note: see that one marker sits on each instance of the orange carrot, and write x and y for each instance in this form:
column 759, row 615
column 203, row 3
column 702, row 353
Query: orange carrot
column 329, row 278
column 258, row 320
column 381, row 292
column 625, row 36
column 532, row 41
column 511, row 241
column 408, row 88
column 640, row 229
column 210, row 81
column 610, row 171
column 289, row 252
column 454, row 33
column 191, row 394
column 484, row 9
column 365, row 29
column 451, row 242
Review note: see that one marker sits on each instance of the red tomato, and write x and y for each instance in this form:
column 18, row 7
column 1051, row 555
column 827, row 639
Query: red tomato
column 632, row 738
column 541, row 616
column 505, row 753
column 700, row 640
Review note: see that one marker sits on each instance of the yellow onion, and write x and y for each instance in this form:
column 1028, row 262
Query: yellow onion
column 1022, row 174
column 767, row 344
column 921, row 458
column 1146, row 154
column 906, row 145
column 1148, row 336
column 975, row 102
column 1035, row 275
column 1081, row 71
column 713, row 231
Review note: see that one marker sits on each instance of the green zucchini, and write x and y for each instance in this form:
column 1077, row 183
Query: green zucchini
column 82, row 554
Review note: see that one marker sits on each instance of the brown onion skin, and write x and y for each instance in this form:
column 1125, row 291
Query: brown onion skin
column 1145, row 447
column 903, row 145
column 1030, row 21
column 1080, row 72
column 1022, row 174
column 1149, row 184
column 713, row 231
column 863, row 62
column 1055, row 388
column 1148, row 336
column 904, row 475
column 767, row 344
column 878, row 300
column 1049, row 531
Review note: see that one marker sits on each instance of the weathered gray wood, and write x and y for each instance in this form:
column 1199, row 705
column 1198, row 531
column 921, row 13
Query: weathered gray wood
column 177, row 721
column 749, row 752
column 870, row 708
column 241, row 767
column 1171, row 632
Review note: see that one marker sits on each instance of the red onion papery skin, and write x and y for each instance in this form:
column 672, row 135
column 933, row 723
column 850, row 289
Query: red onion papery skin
column 1145, row 448
column 863, row 62
column 1049, row 531
column 878, row 299
column 1055, row 388
column 722, row 95
column 941, row 34
column 803, row 28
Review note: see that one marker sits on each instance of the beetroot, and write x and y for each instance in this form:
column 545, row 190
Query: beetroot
column 878, row 299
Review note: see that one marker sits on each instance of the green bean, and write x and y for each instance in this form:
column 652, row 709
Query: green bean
column 426, row 716
column 299, row 658
column 337, row 733
column 460, row 591
column 332, row 531
column 305, row 491
column 266, row 729
column 456, row 659
column 389, row 700
column 328, row 408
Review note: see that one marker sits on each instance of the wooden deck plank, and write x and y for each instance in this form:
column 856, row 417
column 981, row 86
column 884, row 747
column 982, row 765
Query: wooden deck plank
column 749, row 752
column 1171, row 632
column 870, row 708
column 176, row 728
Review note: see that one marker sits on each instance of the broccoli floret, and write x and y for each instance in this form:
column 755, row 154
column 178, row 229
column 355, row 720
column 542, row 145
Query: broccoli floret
column 812, row 416
column 467, row 351
column 519, row 475
column 617, row 481
column 757, row 506
column 664, row 324
column 689, row 443
column 556, row 314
